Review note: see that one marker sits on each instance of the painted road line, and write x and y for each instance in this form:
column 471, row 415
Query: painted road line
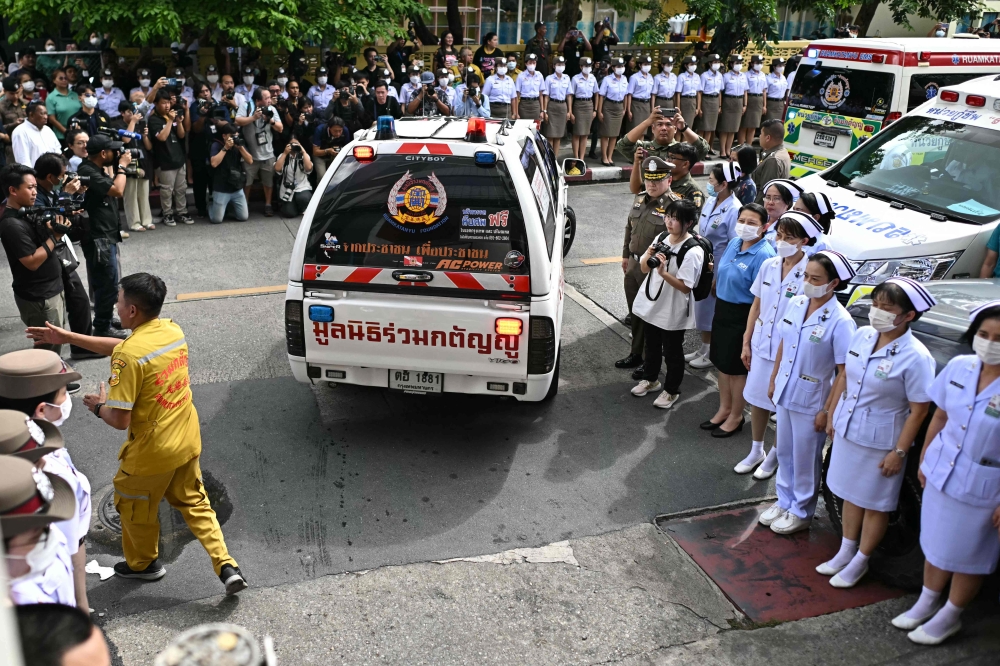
column 603, row 315
column 225, row 293
column 603, row 260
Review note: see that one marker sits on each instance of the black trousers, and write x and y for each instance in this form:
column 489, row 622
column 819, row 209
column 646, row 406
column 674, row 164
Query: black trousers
column 77, row 308
column 297, row 206
column 201, row 174
column 664, row 345
column 104, row 281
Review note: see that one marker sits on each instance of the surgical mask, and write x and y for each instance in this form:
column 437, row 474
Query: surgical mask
column 50, row 47
column 248, row 80
column 282, row 81
column 451, row 78
column 988, row 352
column 107, row 83
column 585, row 70
column 758, row 66
column 939, row 33
column 691, row 68
column 145, row 82
column 619, row 71
column 814, row 291
column 511, row 65
column 95, row 41
column 443, row 82
column 881, row 321
column 645, row 68
column 786, row 249
column 38, row 558
column 747, row 232
column 321, row 80
column 85, row 74
column 65, row 410
column 736, row 68
column 710, row 190
column 501, row 70
column 779, row 69
column 415, row 80
column 29, row 86
column 561, row 68
column 715, row 67
column 531, row 68
column 90, row 101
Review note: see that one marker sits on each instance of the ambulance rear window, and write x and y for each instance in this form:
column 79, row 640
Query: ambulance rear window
column 855, row 93
column 416, row 211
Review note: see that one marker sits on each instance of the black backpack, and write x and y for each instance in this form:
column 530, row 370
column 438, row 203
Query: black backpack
column 702, row 288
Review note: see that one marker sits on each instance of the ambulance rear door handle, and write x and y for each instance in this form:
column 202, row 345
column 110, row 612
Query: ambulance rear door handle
column 412, row 276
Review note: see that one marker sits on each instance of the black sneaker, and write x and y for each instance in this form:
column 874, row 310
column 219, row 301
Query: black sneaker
column 84, row 355
column 110, row 333
column 233, row 579
column 72, row 387
column 638, row 373
column 630, row 361
column 155, row 571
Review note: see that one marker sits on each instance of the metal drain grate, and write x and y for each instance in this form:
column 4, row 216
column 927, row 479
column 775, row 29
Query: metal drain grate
column 108, row 514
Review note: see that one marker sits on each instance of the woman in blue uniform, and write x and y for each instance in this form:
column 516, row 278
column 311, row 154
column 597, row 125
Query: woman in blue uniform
column 779, row 280
column 718, row 225
column 815, row 333
column 734, row 103
column 879, row 402
column 611, row 109
column 818, row 205
column 960, row 472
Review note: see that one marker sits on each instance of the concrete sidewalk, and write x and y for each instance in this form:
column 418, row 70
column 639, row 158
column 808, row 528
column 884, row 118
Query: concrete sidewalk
column 631, row 596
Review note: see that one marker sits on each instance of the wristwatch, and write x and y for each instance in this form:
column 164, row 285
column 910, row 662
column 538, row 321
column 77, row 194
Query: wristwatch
column 97, row 409
column 899, row 452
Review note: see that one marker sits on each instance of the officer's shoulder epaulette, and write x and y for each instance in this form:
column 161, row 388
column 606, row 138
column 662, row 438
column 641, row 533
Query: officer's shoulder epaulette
column 670, row 196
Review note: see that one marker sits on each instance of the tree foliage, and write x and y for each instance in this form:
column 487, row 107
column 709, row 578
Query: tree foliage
column 342, row 24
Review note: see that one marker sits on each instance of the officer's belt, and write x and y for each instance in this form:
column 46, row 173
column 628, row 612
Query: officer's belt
column 755, row 94
column 728, row 95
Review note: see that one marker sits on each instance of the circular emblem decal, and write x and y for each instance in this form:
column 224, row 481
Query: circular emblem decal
column 835, row 91
column 417, row 202
column 417, row 198
column 514, row 259
column 931, row 90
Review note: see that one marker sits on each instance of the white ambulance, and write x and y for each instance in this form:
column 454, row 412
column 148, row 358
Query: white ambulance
column 846, row 90
column 431, row 260
column 922, row 197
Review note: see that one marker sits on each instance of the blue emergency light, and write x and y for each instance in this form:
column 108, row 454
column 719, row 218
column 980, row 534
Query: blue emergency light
column 486, row 158
column 320, row 313
column 385, row 128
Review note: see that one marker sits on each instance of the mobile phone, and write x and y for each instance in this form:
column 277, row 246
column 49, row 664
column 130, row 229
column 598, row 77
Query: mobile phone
column 666, row 113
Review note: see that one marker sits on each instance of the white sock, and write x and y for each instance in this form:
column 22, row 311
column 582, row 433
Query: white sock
column 856, row 567
column 771, row 462
column 943, row 620
column 755, row 450
column 848, row 549
column 704, row 349
column 925, row 604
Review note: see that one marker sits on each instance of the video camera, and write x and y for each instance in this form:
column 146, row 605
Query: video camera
column 120, row 149
column 42, row 216
column 659, row 248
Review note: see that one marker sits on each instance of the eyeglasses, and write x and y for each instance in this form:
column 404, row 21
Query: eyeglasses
column 772, row 199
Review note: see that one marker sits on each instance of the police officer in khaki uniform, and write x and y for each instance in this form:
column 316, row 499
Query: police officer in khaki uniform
column 683, row 156
column 645, row 222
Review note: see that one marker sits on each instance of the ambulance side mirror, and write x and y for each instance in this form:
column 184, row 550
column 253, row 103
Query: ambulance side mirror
column 573, row 167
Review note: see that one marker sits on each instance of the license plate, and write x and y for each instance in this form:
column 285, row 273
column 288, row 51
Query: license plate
column 416, row 381
column 825, row 140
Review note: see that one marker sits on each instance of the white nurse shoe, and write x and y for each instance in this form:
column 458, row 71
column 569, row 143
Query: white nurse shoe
column 907, row 623
column 772, row 514
column 790, row 524
column 921, row 637
column 701, row 363
column 839, row 581
column 745, row 467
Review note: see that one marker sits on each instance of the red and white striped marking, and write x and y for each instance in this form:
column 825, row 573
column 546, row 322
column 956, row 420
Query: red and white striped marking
column 455, row 279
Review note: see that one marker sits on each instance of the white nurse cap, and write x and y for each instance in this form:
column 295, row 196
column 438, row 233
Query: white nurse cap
column 844, row 270
column 918, row 294
column 982, row 308
column 731, row 171
column 808, row 223
column 792, row 188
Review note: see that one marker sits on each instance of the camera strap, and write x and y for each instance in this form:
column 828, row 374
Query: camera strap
column 652, row 272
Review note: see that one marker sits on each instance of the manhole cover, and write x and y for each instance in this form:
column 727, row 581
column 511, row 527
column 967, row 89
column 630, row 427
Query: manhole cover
column 108, row 514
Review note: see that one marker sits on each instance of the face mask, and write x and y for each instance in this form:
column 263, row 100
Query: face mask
column 443, row 82
column 786, row 249
column 145, row 82
column 90, row 101
column 65, row 410
column 107, row 83
column 248, row 80
column 779, row 69
column 812, row 291
column 451, row 78
column 531, row 68
column 988, row 352
column 38, row 558
column 645, row 68
column 758, row 66
column 585, row 70
column 716, row 67
column 560, row 69
column 881, row 320
column 747, row 232
column 94, row 41
column 29, row 86
column 50, row 47
column 619, row 71
column 710, row 190
column 415, row 80
column 281, row 81
column 736, row 68
column 939, row 33
column 501, row 70
column 511, row 66
column 691, row 68
column 321, row 80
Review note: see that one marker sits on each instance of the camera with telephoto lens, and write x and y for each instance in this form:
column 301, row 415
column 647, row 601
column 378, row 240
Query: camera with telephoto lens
column 205, row 107
column 133, row 167
column 44, row 216
column 658, row 248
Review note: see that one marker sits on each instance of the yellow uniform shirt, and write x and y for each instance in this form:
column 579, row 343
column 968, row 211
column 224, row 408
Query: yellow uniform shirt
column 149, row 377
column 458, row 74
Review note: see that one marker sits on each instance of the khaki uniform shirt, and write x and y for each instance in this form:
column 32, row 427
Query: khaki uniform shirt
column 628, row 148
column 543, row 49
column 645, row 222
column 11, row 110
column 686, row 188
column 775, row 164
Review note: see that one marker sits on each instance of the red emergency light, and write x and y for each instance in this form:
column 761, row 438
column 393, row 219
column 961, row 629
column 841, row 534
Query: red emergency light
column 878, row 58
column 948, row 96
column 975, row 100
column 477, row 130
column 364, row 153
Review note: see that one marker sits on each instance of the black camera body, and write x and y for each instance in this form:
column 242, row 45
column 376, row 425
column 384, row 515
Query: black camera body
column 659, row 248
column 296, row 149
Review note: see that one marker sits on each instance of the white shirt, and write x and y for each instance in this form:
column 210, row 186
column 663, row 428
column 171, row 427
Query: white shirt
column 711, row 83
column 689, row 84
column 614, row 88
column 775, row 293
column 756, row 82
column 557, row 86
column 788, row 85
column 734, row 83
column 777, row 84
column 59, row 463
column 29, row 143
column 584, row 88
column 54, row 585
column 665, row 84
column 641, row 85
column 407, row 93
column 529, row 85
column 499, row 91
column 672, row 310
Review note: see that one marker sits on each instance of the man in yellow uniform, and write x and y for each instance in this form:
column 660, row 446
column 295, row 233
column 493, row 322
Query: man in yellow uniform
column 150, row 395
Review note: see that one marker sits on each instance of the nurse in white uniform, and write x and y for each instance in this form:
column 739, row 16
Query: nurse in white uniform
column 880, row 402
column 778, row 197
column 818, row 205
column 815, row 333
column 777, row 283
column 717, row 224
column 960, row 472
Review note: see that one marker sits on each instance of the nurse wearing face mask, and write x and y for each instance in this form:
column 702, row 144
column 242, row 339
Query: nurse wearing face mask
column 777, row 86
column 756, row 86
column 688, row 92
column 818, row 205
column 640, row 93
column 734, row 103
column 879, row 404
column 712, row 85
column 815, row 334
column 611, row 109
column 37, row 559
column 960, row 473
column 779, row 281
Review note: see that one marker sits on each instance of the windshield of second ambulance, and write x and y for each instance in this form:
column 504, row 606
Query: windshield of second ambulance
column 855, row 93
column 938, row 165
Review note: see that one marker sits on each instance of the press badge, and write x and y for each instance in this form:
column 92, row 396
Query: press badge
column 261, row 139
column 817, row 334
column 993, row 407
column 882, row 371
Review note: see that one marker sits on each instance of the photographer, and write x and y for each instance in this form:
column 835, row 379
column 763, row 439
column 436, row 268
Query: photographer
column 465, row 65
column 322, row 94
column 55, row 189
column 89, row 118
column 379, row 103
column 572, row 46
column 398, row 55
column 259, row 120
column 293, row 100
column 469, row 99
column 305, row 125
column 138, row 217
column 199, row 138
column 430, row 101
column 329, row 139
column 347, row 106
column 230, row 99
column 228, row 177
column 604, row 38
column 31, row 253
column 294, row 167
column 167, row 128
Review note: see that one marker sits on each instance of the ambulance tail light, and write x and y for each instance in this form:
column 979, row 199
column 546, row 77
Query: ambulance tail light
column 924, row 56
column 541, row 346
column 975, row 100
column 295, row 334
column 509, row 326
column 892, row 117
column 364, row 153
column 878, row 58
column 948, row 96
column 477, row 130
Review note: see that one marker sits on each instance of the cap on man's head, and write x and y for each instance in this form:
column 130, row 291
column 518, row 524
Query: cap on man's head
column 212, row 68
column 531, row 57
column 31, row 498
column 539, row 24
column 25, row 437
column 108, row 72
column 99, row 142
column 655, row 168
column 248, row 70
column 586, row 61
column 28, row 373
column 427, row 78
column 11, row 83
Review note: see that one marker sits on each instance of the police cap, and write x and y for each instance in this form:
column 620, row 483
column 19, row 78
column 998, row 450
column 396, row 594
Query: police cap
column 689, row 60
column 531, row 57
column 756, row 57
column 644, row 60
column 778, row 61
column 559, row 60
column 666, row 60
column 714, row 57
column 586, row 62
column 736, row 58
column 655, row 168
column 617, row 62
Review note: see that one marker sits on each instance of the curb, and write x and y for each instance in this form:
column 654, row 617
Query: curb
column 623, row 173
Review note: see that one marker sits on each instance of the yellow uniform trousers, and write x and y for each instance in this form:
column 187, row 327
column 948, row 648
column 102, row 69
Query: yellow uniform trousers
column 137, row 499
